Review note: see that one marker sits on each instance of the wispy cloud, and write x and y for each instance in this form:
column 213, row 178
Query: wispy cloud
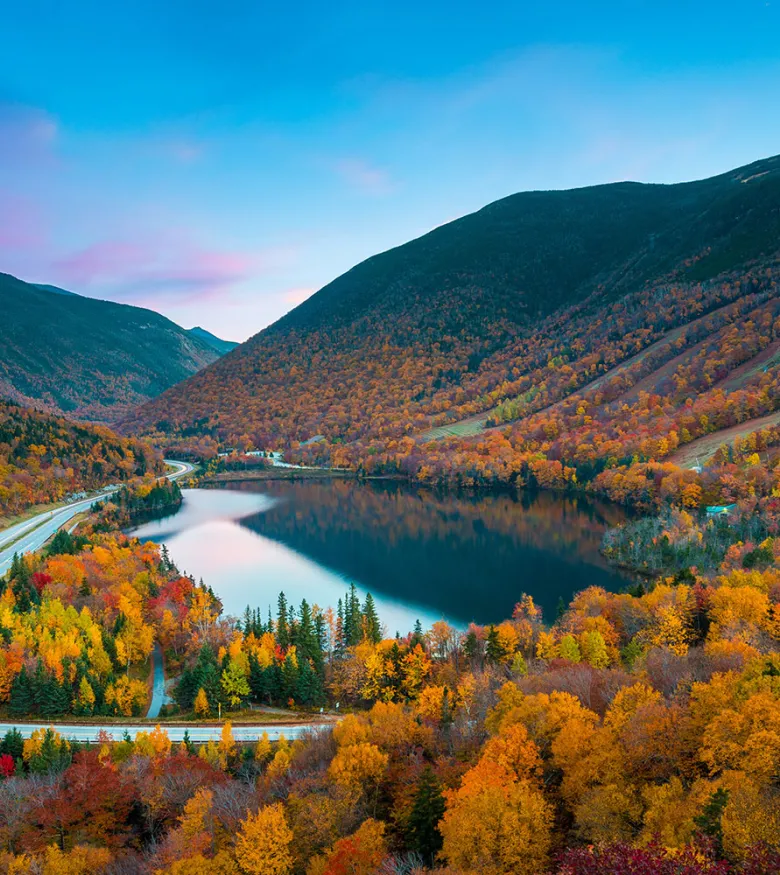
column 158, row 272
column 365, row 177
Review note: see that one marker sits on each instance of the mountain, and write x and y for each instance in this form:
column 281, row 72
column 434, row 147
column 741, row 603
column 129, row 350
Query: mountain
column 85, row 358
column 521, row 303
column 221, row 346
column 44, row 458
column 55, row 289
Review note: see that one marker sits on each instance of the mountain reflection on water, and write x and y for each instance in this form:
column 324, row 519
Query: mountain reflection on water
column 422, row 554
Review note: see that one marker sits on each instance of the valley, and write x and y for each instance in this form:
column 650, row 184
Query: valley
column 486, row 528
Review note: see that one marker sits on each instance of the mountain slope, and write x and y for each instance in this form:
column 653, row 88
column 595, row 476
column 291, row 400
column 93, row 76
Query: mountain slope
column 89, row 359
column 44, row 458
column 221, row 346
column 478, row 311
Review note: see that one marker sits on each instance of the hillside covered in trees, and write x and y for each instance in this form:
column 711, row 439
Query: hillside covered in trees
column 635, row 733
column 89, row 359
column 44, row 458
column 503, row 312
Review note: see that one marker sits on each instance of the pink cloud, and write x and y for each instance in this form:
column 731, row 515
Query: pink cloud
column 364, row 177
column 155, row 271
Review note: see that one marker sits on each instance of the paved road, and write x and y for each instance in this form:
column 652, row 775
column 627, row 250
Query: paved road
column 159, row 697
column 32, row 534
column 199, row 732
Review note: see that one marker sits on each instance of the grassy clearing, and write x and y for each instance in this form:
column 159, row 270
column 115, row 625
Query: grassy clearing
column 704, row 448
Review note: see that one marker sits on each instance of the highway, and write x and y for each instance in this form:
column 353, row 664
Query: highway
column 32, row 534
column 198, row 732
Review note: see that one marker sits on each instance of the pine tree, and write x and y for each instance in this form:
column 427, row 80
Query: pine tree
column 709, row 821
column 39, row 680
column 290, row 673
column 13, row 743
column 305, row 683
column 282, row 628
column 339, row 645
column 417, row 636
column 371, row 628
column 471, row 645
column 422, row 831
column 22, row 700
column 353, row 618
column 54, row 699
column 494, row 652
column 321, row 633
column 305, row 638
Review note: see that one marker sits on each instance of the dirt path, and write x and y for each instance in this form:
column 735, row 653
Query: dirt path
column 704, row 448
column 763, row 361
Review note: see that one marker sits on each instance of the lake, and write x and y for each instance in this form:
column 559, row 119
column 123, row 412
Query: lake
column 422, row 554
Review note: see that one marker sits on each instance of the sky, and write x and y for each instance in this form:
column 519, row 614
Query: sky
column 220, row 162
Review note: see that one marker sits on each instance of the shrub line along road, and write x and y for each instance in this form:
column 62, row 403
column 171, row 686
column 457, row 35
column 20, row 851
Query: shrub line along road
column 198, row 732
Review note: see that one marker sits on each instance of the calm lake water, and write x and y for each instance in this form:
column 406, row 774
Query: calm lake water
column 421, row 554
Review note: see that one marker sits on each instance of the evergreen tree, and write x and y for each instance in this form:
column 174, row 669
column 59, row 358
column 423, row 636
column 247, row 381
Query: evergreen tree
column 709, row 821
column 210, row 679
column 305, row 687
column 395, row 656
column 282, row 628
column 12, row 743
column 39, row 681
column 340, row 644
column 471, row 645
column 22, row 700
column 494, row 652
column 353, row 618
column 422, row 831
column 417, row 636
column 260, row 680
column 54, row 698
column 290, row 673
column 321, row 633
column 371, row 627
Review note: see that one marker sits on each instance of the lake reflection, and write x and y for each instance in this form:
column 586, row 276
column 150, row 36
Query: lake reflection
column 421, row 554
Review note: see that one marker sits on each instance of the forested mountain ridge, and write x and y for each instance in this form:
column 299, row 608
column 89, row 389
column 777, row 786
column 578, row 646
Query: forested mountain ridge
column 221, row 346
column 469, row 316
column 86, row 358
column 44, row 458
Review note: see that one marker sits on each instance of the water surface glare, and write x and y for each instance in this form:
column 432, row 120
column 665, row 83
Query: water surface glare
column 421, row 554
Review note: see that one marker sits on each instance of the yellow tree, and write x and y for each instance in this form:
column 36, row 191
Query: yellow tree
column 497, row 825
column 201, row 706
column 358, row 766
column 263, row 842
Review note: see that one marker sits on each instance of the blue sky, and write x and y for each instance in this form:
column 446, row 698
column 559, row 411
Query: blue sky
column 219, row 162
